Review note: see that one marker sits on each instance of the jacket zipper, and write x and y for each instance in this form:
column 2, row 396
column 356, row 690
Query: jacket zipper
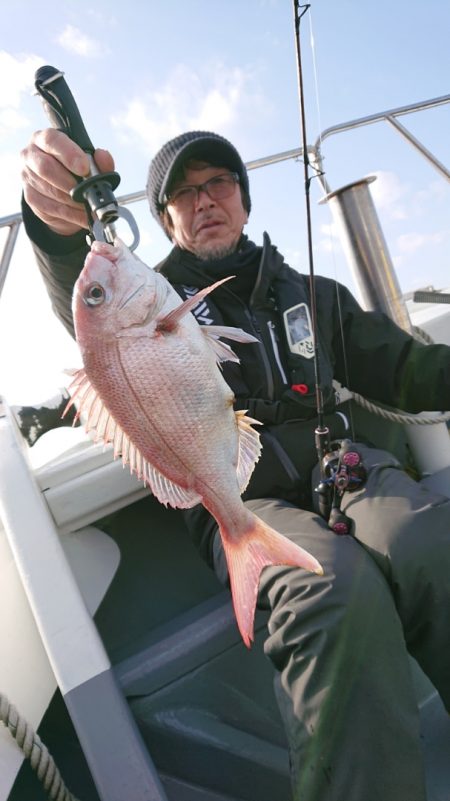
column 276, row 351
column 265, row 359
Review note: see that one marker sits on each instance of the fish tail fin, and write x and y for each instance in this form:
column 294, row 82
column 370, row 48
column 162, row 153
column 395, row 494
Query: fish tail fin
column 260, row 546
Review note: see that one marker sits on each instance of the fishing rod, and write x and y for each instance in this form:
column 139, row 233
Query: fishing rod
column 340, row 463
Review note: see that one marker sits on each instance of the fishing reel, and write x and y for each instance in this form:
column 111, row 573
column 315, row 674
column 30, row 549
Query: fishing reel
column 342, row 470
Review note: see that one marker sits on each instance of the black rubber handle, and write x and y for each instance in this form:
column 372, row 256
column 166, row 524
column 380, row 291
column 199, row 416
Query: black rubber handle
column 60, row 106
column 97, row 190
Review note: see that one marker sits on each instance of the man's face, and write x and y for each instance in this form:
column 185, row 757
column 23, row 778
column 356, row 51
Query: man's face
column 206, row 227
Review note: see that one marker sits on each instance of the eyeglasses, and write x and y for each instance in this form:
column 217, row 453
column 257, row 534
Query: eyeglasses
column 217, row 188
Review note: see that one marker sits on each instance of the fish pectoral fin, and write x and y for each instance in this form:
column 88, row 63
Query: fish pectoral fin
column 229, row 332
column 249, row 448
column 171, row 320
column 222, row 351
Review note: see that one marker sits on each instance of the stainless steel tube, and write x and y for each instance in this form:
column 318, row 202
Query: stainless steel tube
column 366, row 250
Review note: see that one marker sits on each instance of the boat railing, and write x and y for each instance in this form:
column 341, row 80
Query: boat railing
column 390, row 117
column 13, row 221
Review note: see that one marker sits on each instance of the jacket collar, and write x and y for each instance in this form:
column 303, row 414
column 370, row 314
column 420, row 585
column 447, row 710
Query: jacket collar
column 182, row 267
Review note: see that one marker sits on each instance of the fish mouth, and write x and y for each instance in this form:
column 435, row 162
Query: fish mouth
column 130, row 297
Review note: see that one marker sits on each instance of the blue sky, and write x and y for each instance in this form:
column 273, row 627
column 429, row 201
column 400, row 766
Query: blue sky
column 143, row 72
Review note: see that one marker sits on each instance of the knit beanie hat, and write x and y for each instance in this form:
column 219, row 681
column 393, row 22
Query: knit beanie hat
column 204, row 145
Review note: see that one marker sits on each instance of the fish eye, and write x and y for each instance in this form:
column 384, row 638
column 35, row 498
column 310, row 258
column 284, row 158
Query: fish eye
column 94, row 295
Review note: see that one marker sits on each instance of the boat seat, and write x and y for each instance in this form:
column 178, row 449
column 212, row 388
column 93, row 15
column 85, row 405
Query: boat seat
column 203, row 703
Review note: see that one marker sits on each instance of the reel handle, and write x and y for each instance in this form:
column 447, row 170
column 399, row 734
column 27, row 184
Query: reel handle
column 339, row 522
column 342, row 470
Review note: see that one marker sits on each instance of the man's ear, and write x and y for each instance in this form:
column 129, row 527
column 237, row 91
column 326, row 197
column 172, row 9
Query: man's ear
column 166, row 222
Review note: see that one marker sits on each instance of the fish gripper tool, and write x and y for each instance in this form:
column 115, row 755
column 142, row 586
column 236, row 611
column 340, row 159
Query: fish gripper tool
column 97, row 190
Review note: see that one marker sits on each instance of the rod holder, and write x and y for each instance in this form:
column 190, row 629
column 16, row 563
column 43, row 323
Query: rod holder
column 366, row 250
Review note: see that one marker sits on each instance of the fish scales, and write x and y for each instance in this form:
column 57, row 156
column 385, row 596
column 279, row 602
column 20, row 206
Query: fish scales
column 168, row 427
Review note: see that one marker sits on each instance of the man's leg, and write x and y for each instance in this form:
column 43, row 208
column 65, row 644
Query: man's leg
column 406, row 529
column 344, row 686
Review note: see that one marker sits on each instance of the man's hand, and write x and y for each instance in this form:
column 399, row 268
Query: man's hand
column 50, row 162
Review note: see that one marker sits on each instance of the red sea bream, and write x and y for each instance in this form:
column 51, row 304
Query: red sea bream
column 152, row 386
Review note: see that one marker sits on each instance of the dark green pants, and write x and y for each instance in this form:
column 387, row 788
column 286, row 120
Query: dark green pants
column 340, row 642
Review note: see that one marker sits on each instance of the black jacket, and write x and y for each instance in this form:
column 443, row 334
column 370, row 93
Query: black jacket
column 365, row 351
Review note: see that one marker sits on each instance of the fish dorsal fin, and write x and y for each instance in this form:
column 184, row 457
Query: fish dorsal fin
column 222, row 351
column 249, row 448
column 99, row 423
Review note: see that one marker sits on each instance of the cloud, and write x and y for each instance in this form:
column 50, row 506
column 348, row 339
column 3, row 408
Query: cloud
column 219, row 98
column 389, row 194
column 412, row 242
column 400, row 200
column 10, row 186
column 437, row 192
column 75, row 41
column 20, row 71
column 327, row 239
column 27, row 378
column 11, row 120
column 296, row 259
column 15, row 91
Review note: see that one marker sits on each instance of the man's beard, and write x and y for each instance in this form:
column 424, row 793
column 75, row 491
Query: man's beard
column 214, row 251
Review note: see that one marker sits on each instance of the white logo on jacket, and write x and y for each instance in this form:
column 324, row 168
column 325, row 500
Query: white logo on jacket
column 201, row 311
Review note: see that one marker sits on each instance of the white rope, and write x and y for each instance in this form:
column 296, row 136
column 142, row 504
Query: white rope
column 397, row 416
column 34, row 749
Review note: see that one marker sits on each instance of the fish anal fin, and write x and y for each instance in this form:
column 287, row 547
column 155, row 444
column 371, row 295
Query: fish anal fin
column 168, row 492
column 259, row 547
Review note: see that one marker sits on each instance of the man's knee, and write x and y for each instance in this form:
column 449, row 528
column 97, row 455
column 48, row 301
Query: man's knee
column 401, row 522
column 344, row 611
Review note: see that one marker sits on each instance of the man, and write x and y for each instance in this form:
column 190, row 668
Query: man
column 339, row 642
